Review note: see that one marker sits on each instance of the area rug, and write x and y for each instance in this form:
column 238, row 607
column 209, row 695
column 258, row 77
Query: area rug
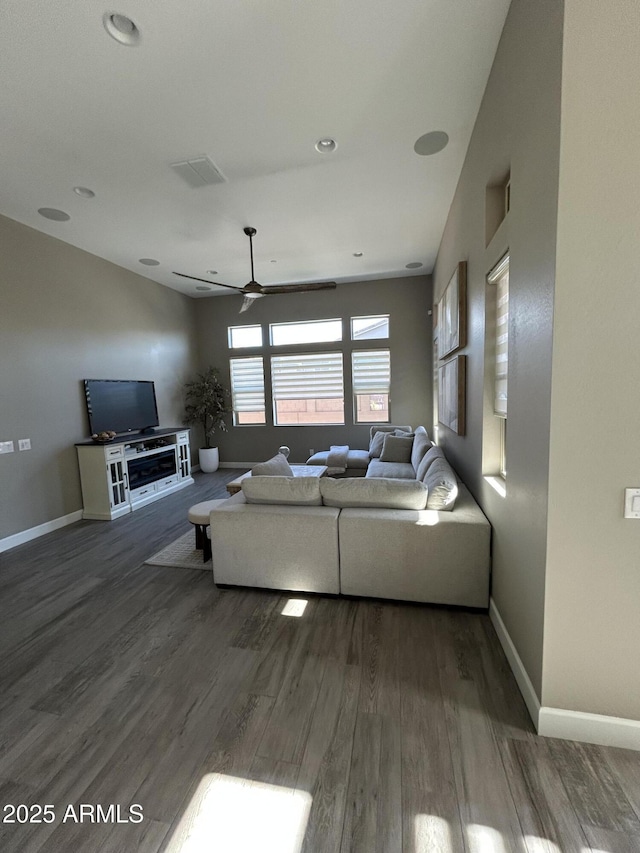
column 182, row 554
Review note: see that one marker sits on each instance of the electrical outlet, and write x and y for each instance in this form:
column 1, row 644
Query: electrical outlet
column 24, row 444
column 311, row 451
column 632, row 503
column 6, row 447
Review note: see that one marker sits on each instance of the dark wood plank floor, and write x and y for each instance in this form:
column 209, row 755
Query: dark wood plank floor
column 358, row 726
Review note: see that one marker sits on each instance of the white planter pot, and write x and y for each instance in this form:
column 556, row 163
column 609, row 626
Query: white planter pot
column 209, row 458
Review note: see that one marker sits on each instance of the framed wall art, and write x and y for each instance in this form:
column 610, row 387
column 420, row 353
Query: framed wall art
column 452, row 378
column 452, row 313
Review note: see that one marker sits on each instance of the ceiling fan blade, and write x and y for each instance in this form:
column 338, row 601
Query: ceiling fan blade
column 247, row 302
column 207, row 281
column 299, row 288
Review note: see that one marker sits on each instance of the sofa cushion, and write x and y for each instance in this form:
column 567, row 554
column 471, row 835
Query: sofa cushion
column 396, row 448
column 384, row 493
column 421, row 443
column 358, row 459
column 277, row 466
column 428, row 459
column 394, row 470
column 442, row 485
column 294, row 491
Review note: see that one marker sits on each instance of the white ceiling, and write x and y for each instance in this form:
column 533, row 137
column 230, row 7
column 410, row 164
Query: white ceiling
column 253, row 84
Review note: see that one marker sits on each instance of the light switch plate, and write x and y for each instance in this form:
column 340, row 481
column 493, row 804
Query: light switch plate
column 632, row 503
column 24, row 444
column 6, row 447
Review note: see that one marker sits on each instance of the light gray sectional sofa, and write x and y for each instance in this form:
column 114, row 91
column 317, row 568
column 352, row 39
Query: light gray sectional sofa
column 414, row 536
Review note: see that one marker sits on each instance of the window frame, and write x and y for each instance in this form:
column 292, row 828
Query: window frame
column 234, row 392
column 318, row 355
column 355, row 353
column 496, row 278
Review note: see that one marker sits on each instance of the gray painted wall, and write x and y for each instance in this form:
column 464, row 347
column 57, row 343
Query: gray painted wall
column 518, row 129
column 406, row 300
column 592, row 631
column 66, row 315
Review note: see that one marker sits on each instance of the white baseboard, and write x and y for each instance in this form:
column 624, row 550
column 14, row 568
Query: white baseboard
column 590, row 728
column 557, row 722
column 522, row 678
column 35, row 532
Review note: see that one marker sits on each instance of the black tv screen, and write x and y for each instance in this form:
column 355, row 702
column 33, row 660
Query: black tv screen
column 121, row 405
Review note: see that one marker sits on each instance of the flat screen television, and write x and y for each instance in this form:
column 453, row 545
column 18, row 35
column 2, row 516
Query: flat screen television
column 121, row 405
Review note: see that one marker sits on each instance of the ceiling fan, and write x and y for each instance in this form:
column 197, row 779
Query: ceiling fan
column 252, row 290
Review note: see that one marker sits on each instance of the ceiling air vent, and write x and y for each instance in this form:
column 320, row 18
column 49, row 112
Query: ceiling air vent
column 199, row 172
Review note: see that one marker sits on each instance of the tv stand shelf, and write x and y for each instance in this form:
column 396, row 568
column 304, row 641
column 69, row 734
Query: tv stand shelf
column 132, row 471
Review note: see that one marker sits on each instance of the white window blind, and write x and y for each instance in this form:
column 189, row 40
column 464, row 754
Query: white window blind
column 316, row 376
column 500, row 277
column 247, row 385
column 371, row 371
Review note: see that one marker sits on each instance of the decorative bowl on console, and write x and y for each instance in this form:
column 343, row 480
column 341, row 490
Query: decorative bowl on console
column 103, row 437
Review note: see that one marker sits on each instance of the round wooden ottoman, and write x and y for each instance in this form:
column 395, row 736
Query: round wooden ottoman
column 198, row 515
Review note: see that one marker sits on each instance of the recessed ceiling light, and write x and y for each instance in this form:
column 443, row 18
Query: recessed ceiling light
column 326, row 145
column 357, row 254
column 149, row 262
column 84, row 192
column 53, row 213
column 202, row 287
column 212, row 272
column 414, row 265
column 121, row 28
column 431, row 143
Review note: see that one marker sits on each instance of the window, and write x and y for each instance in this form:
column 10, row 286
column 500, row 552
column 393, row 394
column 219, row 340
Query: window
column 308, row 332
column 247, row 391
column 368, row 328
column 371, row 371
column 499, row 276
column 308, row 389
column 245, row 336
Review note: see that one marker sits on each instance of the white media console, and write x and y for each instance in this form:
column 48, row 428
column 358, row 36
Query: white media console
column 132, row 471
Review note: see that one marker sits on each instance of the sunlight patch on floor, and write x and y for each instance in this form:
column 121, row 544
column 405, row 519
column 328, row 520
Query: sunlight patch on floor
column 432, row 833
column 228, row 813
column 535, row 844
column 294, row 607
column 484, row 839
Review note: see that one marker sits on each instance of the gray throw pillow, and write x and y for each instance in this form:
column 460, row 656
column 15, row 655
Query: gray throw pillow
column 375, row 445
column 277, row 466
column 396, row 448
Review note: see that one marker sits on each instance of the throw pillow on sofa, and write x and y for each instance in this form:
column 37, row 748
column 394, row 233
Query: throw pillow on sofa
column 277, row 466
column 295, row 491
column 442, row 485
column 396, row 448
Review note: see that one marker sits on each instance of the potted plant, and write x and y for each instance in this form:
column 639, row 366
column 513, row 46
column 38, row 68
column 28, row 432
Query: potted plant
column 207, row 402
